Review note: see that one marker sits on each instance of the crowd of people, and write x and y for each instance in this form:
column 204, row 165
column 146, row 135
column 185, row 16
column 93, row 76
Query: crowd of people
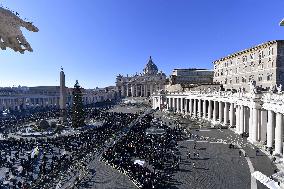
column 158, row 151
column 40, row 162
column 12, row 121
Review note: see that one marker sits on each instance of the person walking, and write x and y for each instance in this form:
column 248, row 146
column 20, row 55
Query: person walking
column 188, row 155
column 240, row 153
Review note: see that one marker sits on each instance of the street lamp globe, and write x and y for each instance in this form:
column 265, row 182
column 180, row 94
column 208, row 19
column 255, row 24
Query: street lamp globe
column 282, row 22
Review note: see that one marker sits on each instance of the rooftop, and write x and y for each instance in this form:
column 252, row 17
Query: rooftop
column 248, row 50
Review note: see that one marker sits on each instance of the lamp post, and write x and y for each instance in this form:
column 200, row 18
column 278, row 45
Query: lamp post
column 282, row 22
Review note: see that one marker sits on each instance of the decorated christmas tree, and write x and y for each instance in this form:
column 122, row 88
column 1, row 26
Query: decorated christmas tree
column 78, row 114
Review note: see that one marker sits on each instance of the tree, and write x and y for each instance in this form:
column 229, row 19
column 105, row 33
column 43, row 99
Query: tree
column 78, row 114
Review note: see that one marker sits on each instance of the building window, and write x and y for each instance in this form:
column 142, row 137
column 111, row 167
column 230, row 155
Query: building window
column 270, row 51
column 262, row 54
column 244, row 58
column 251, row 56
column 237, row 79
column 269, row 77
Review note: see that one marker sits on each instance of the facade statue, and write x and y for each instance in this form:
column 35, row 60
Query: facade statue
column 279, row 89
column 10, row 31
column 253, row 88
column 272, row 88
column 209, row 90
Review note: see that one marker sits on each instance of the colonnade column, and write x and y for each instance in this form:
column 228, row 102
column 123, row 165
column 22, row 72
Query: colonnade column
column 199, row 108
column 210, row 109
column 254, row 128
column 263, row 126
column 241, row 124
column 187, row 105
column 246, row 119
column 190, row 107
column 178, row 105
column 278, row 134
column 215, row 111
column 226, row 113
column 270, row 129
column 181, row 105
column 194, row 107
column 221, row 111
column 250, row 122
column 237, row 119
column 204, row 109
column 232, row 115
column 168, row 103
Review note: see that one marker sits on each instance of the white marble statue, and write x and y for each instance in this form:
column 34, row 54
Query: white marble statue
column 253, row 88
column 279, row 89
column 272, row 88
column 10, row 31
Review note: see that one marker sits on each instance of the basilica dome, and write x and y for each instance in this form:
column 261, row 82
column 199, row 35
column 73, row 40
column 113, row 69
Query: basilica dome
column 150, row 68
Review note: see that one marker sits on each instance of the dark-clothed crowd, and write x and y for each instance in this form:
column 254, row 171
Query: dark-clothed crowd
column 38, row 162
column 158, row 151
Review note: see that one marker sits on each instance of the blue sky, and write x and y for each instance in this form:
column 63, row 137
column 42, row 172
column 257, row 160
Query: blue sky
column 95, row 40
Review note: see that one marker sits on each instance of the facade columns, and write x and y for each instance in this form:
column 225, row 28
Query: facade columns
column 151, row 89
column 127, row 90
column 136, row 87
column 278, row 134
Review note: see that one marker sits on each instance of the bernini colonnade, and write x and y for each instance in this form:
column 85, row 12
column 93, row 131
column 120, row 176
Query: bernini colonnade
column 259, row 115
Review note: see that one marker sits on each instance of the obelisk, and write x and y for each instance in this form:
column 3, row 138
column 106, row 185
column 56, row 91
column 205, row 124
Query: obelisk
column 62, row 99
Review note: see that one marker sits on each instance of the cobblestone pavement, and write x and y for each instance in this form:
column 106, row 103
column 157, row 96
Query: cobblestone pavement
column 218, row 166
column 105, row 177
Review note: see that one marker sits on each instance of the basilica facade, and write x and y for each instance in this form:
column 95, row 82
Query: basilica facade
column 143, row 84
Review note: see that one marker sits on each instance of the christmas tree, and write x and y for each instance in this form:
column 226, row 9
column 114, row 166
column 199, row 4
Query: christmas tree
column 78, row 114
